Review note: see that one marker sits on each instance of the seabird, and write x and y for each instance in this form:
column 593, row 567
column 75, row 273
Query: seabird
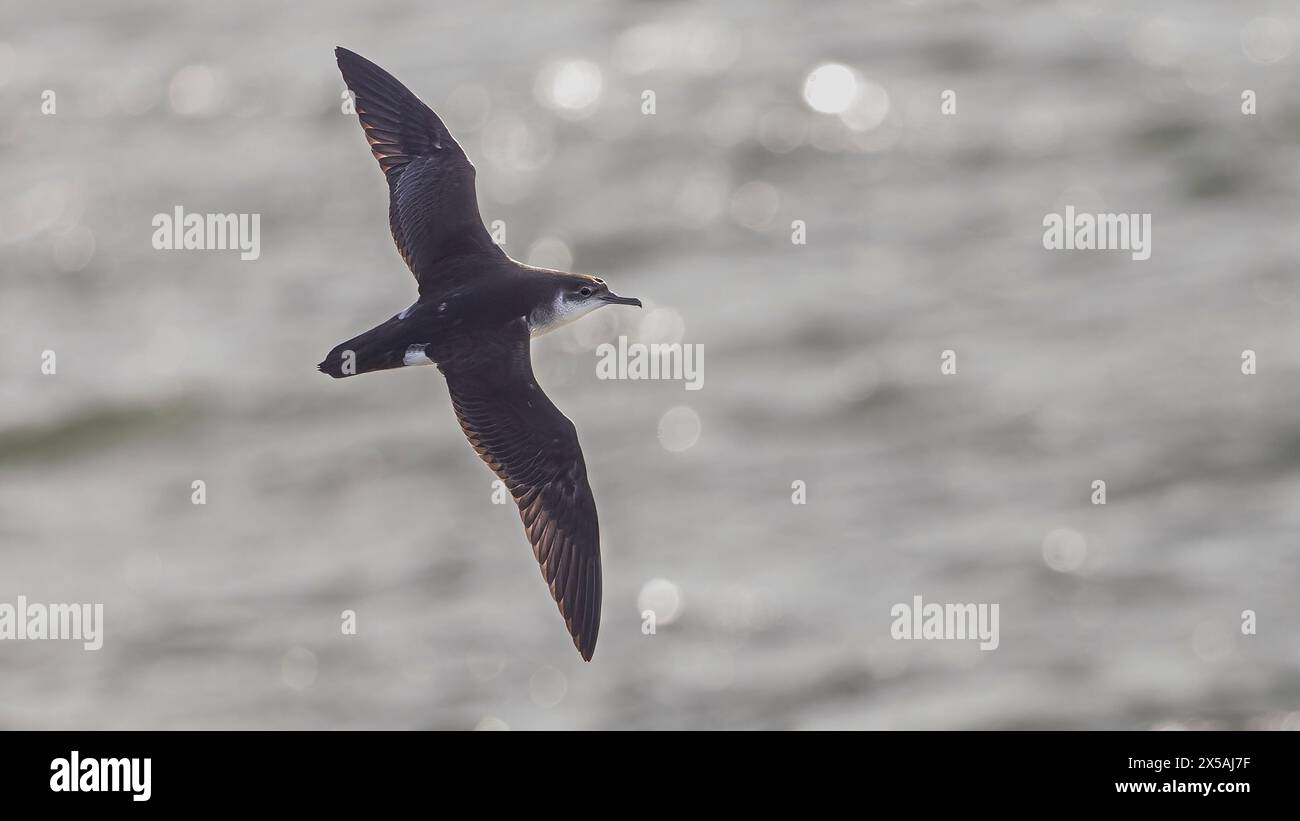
column 476, row 312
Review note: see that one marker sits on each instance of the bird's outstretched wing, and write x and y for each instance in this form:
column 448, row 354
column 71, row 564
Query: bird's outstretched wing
column 534, row 448
column 432, row 206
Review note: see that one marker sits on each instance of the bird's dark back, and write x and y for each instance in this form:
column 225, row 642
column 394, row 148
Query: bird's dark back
column 486, row 290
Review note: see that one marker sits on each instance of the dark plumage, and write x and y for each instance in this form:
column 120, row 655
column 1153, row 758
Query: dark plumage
column 476, row 311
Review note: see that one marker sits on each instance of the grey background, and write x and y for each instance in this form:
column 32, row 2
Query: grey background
column 822, row 365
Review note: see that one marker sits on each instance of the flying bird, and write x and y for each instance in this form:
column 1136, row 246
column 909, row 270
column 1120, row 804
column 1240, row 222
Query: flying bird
column 475, row 316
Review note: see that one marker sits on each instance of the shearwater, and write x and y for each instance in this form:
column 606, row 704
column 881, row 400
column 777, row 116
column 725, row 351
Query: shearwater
column 476, row 312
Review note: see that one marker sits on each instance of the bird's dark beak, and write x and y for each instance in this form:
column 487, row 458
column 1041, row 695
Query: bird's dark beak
column 615, row 299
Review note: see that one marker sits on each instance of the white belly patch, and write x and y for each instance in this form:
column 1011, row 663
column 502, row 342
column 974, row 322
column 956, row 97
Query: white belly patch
column 415, row 356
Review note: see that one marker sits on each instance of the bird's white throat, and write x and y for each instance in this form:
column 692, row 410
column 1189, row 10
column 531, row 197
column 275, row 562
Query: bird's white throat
column 559, row 313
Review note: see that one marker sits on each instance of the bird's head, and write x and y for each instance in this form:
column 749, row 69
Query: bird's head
column 591, row 292
column 575, row 295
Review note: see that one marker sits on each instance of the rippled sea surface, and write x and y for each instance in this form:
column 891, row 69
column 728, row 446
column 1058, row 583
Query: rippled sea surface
column 822, row 366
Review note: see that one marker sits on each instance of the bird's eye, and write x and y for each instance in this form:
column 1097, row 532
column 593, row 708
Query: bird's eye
column 584, row 291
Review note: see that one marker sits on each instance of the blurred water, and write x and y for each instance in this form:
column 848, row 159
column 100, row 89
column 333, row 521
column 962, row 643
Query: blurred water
column 924, row 234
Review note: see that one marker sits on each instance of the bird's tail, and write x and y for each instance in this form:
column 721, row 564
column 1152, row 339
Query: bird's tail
column 380, row 348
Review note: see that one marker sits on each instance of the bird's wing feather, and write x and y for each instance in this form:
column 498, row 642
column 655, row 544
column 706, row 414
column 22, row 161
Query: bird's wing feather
column 433, row 208
column 534, row 448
